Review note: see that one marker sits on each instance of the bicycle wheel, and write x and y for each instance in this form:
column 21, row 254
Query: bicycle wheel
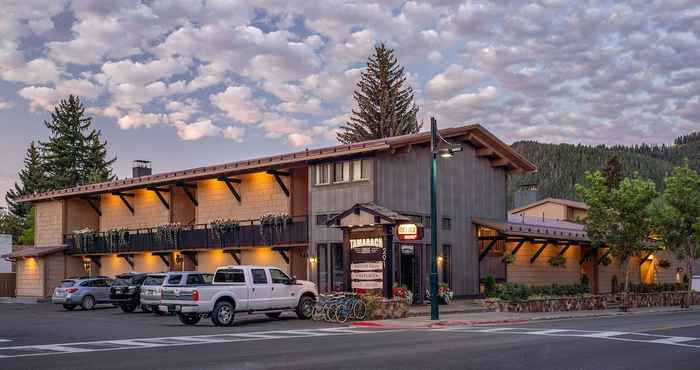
column 359, row 310
column 329, row 314
column 317, row 314
column 342, row 313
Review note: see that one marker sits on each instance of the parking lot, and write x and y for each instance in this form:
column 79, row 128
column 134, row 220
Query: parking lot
column 30, row 324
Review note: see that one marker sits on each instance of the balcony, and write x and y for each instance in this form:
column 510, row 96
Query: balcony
column 250, row 233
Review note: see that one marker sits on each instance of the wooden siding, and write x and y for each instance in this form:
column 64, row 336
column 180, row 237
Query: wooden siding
column 541, row 272
column 468, row 187
column 49, row 226
column 79, row 215
column 182, row 210
column 148, row 211
column 30, row 277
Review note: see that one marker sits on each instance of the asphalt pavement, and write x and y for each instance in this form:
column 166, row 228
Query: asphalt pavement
column 45, row 337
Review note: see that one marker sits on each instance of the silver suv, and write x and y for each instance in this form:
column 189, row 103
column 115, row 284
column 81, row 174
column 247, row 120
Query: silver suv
column 86, row 292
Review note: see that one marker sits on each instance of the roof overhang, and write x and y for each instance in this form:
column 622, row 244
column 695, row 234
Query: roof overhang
column 31, row 251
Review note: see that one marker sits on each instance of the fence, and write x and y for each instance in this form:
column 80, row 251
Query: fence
column 8, row 284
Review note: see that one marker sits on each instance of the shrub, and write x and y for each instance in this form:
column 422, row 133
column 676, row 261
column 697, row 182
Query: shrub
column 508, row 258
column 490, row 287
column 517, row 292
column 557, row 261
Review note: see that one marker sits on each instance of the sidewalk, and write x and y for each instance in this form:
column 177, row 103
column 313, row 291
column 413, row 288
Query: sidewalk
column 455, row 306
column 503, row 318
column 21, row 300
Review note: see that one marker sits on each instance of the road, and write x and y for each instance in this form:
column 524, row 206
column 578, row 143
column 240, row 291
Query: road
column 45, row 337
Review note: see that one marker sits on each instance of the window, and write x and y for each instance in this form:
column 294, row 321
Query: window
column 323, row 174
column 360, row 169
column 341, row 171
column 338, row 275
column 154, row 280
column 446, row 223
column 321, row 220
column 259, row 276
column 229, row 276
column 195, row 279
column 322, row 274
column 279, row 277
column 174, row 279
column 446, row 265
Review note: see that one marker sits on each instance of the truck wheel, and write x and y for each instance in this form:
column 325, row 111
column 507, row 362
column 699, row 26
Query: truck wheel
column 128, row 307
column 305, row 308
column 223, row 314
column 273, row 315
column 189, row 319
column 69, row 307
column 146, row 308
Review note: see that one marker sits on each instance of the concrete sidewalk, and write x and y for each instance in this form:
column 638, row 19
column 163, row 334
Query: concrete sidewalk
column 501, row 318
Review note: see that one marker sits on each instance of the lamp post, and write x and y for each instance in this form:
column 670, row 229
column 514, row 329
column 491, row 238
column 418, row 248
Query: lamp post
column 443, row 153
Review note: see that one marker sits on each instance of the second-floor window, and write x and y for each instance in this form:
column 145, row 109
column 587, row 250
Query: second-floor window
column 323, row 174
column 446, row 223
column 341, row 171
column 360, row 169
column 332, row 173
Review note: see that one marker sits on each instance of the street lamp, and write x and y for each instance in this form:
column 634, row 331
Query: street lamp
column 445, row 152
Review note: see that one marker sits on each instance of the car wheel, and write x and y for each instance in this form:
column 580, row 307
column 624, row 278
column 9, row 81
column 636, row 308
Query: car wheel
column 305, row 308
column 158, row 312
column 69, row 307
column 146, row 308
column 223, row 314
column 88, row 302
column 189, row 319
column 273, row 315
column 128, row 307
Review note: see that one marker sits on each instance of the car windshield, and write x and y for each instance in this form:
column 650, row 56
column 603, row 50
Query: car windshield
column 154, row 280
column 67, row 283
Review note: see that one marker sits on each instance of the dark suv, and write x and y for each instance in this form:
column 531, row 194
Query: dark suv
column 126, row 291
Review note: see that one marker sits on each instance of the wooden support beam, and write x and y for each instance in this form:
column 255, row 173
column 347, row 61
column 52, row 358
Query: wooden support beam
column 517, row 247
column 645, row 258
column 192, row 256
column 96, row 260
column 587, row 255
column 128, row 258
column 126, row 203
column 282, row 253
column 229, row 184
column 486, row 250
column 539, row 251
column 165, row 258
column 485, row 152
column 563, row 250
column 187, row 189
column 281, row 183
column 499, row 163
column 236, row 254
column 600, row 260
column 160, row 196
column 91, row 202
column 499, row 237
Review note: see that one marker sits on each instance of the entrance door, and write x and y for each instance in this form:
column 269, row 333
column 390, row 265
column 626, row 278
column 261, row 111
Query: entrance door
column 410, row 269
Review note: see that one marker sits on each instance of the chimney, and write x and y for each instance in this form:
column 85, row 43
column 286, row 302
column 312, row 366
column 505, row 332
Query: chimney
column 526, row 194
column 141, row 168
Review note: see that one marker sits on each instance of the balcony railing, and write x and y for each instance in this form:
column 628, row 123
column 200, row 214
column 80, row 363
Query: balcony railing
column 248, row 233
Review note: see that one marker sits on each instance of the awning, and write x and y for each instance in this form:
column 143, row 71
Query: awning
column 33, row 251
column 383, row 213
column 536, row 231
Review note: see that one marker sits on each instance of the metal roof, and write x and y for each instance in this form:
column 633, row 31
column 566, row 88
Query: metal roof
column 565, row 202
column 475, row 134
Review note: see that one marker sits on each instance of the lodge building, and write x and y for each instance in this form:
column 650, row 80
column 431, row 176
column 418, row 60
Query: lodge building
column 329, row 215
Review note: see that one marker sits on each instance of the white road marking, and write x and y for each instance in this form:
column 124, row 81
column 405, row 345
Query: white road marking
column 145, row 343
column 5, row 340
column 606, row 334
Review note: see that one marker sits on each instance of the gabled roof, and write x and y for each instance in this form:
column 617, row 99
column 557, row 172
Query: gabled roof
column 499, row 152
column 565, row 202
column 373, row 209
column 558, row 231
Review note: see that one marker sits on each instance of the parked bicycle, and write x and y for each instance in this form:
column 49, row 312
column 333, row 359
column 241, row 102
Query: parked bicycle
column 339, row 307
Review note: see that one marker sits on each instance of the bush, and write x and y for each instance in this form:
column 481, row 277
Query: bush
column 490, row 287
column 518, row 292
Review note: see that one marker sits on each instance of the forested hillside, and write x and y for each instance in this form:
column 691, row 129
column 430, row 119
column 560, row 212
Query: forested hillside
column 561, row 166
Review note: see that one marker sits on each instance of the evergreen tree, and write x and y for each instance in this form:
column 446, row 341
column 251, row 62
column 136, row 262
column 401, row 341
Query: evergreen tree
column 74, row 153
column 32, row 179
column 385, row 107
column 612, row 172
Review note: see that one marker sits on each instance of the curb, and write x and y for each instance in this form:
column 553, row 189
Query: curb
column 447, row 323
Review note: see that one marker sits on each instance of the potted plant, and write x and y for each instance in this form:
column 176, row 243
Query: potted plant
column 402, row 292
column 557, row 261
column 168, row 234
column 220, row 227
column 117, row 238
column 508, row 258
column 272, row 224
column 84, row 237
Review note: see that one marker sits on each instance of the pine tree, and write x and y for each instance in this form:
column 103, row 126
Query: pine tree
column 612, row 172
column 74, row 153
column 31, row 179
column 385, row 107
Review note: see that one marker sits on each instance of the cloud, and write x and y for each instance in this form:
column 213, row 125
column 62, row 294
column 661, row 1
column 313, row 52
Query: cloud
column 453, row 79
column 239, row 104
column 299, row 140
column 4, row 104
column 36, row 71
column 138, row 119
column 234, row 133
column 197, row 130
column 46, row 98
column 127, row 71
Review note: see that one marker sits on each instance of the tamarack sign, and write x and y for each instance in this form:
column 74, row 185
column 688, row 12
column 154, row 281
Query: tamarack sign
column 367, row 258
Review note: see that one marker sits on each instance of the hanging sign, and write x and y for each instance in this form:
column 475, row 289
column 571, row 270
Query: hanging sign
column 409, row 232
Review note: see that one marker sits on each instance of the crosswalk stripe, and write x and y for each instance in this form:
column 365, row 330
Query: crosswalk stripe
column 146, row 343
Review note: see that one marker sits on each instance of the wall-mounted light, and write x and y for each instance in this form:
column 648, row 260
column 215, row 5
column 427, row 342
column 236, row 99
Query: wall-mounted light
column 439, row 259
column 313, row 260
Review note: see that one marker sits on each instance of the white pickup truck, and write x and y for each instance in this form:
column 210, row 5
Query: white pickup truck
column 235, row 289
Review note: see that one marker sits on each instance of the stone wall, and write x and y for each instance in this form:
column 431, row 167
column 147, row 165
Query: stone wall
column 594, row 302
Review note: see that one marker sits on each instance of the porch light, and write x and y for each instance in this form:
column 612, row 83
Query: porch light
column 439, row 259
column 313, row 260
column 449, row 152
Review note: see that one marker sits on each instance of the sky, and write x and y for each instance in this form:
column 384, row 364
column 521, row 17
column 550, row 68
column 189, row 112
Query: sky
column 190, row 83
